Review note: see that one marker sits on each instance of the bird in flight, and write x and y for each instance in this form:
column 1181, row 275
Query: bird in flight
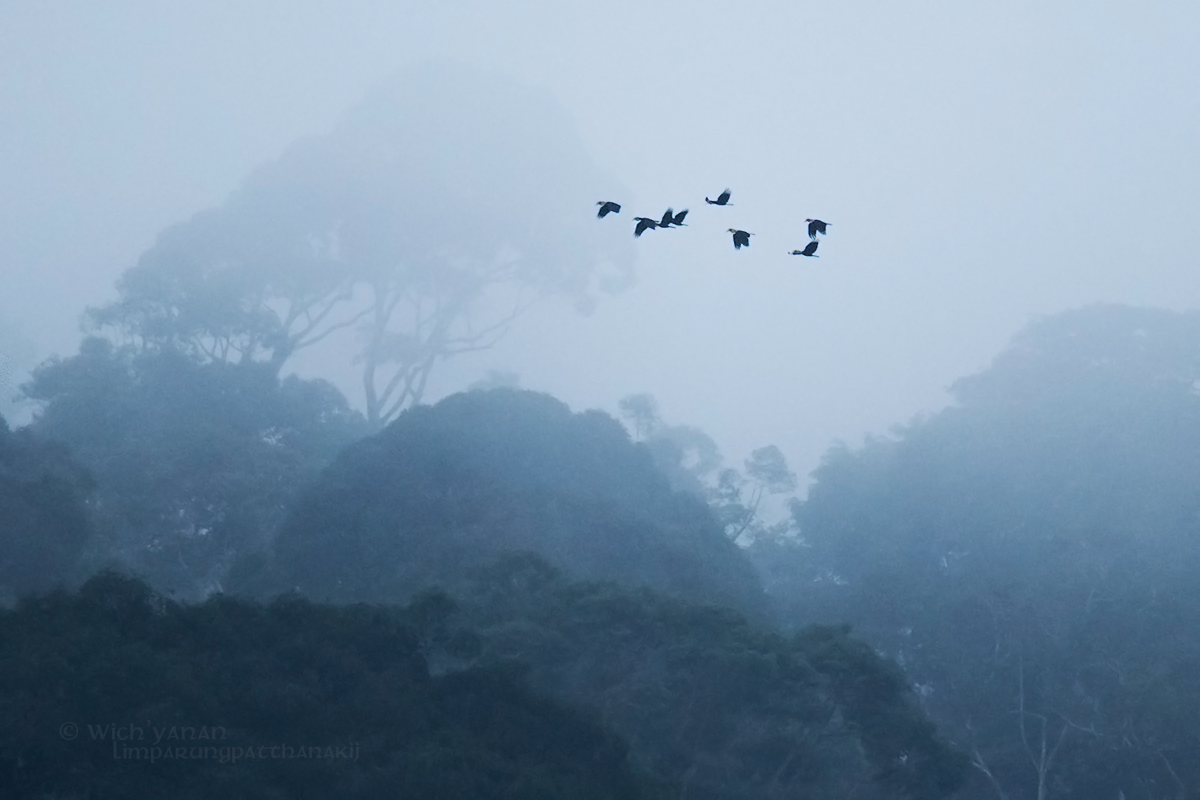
column 815, row 226
column 809, row 250
column 644, row 224
column 608, row 207
column 722, row 199
column 668, row 219
column 740, row 238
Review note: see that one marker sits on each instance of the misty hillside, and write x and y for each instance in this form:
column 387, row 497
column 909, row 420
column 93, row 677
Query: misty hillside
column 445, row 489
column 1018, row 570
column 665, row 677
column 602, row 400
column 1030, row 556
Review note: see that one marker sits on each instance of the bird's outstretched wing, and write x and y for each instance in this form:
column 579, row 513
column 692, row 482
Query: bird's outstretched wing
column 679, row 217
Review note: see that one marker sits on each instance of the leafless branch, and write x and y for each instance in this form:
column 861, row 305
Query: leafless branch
column 981, row 765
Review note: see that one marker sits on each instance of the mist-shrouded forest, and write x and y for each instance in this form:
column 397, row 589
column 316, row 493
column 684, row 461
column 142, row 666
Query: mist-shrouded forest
column 286, row 522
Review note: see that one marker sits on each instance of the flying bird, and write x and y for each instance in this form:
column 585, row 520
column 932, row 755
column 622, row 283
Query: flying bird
column 740, row 238
column 608, row 207
column 722, row 199
column 644, row 224
column 668, row 219
column 809, row 250
column 815, row 226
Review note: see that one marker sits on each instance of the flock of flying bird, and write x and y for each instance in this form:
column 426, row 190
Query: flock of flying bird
column 740, row 238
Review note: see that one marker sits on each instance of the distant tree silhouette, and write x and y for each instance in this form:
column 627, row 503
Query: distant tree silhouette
column 194, row 464
column 423, row 224
column 1029, row 554
column 448, row 488
column 692, row 463
column 43, row 512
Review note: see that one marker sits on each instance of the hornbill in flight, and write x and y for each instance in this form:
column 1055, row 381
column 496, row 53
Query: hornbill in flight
column 644, row 224
column 607, row 207
column 815, row 226
column 810, row 249
column 722, row 199
column 740, row 238
column 668, row 220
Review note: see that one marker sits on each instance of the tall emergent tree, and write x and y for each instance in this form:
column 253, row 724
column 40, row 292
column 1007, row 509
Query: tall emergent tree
column 690, row 460
column 424, row 223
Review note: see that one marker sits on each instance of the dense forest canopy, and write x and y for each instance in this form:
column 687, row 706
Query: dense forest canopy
column 194, row 464
column 1029, row 555
column 44, row 516
column 118, row 692
column 279, row 521
column 1025, row 558
column 533, row 688
column 446, row 489
column 659, row 691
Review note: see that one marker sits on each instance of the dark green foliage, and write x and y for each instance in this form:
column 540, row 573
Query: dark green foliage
column 711, row 701
column 446, row 489
column 1030, row 557
column 43, row 512
column 194, row 463
column 228, row 674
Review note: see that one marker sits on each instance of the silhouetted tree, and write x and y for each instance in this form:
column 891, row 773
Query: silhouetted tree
column 195, row 464
column 692, row 463
column 424, row 223
column 43, row 512
column 449, row 487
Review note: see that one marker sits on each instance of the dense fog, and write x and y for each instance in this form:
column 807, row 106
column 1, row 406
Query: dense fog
column 527, row 400
column 978, row 165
